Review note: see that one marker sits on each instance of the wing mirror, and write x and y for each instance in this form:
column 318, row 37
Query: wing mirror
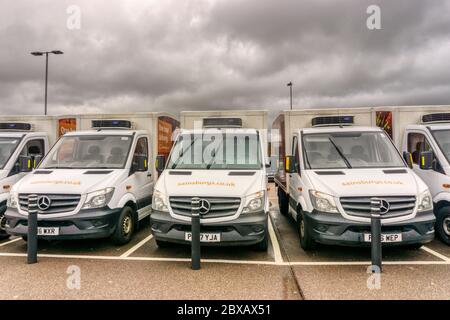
column 37, row 159
column 140, row 163
column 290, row 164
column 160, row 163
column 25, row 164
column 426, row 160
column 408, row 158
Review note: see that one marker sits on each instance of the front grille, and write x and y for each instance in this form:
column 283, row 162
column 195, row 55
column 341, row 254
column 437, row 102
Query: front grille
column 360, row 206
column 59, row 203
column 220, row 207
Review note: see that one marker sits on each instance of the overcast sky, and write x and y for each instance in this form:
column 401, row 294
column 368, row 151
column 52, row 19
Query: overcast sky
column 142, row 55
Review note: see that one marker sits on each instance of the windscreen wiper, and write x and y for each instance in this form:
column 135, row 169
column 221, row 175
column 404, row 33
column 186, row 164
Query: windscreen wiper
column 347, row 163
column 211, row 162
column 214, row 157
column 174, row 165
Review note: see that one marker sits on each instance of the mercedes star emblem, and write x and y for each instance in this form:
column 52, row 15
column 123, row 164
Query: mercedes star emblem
column 384, row 206
column 43, row 203
column 205, row 206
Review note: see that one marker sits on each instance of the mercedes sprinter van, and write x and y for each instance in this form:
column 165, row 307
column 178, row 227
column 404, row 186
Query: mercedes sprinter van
column 92, row 184
column 339, row 166
column 21, row 149
column 424, row 129
column 218, row 157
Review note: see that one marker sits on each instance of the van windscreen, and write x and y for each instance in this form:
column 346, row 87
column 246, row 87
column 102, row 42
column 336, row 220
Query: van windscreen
column 350, row 150
column 442, row 138
column 7, row 148
column 216, row 151
column 89, row 152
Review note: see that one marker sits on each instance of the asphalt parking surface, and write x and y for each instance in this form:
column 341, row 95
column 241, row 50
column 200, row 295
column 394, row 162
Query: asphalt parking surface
column 141, row 270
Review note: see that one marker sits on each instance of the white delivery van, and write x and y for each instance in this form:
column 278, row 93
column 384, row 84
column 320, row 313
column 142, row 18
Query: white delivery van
column 21, row 149
column 340, row 163
column 92, row 184
column 219, row 158
column 419, row 129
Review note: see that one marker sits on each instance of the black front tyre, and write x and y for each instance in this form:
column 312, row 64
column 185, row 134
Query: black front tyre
column 306, row 241
column 264, row 244
column 162, row 244
column 443, row 224
column 283, row 202
column 3, row 234
column 125, row 227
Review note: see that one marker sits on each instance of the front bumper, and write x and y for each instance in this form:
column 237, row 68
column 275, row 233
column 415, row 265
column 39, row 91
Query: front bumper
column 245, row 230
column 87, row 224
column 334, row 229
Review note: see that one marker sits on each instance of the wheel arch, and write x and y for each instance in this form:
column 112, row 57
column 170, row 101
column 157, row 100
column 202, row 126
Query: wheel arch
column 441, row 204
column 128, row 200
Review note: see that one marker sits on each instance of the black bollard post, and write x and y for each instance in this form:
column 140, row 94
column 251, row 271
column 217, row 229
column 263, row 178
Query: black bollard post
column 32, row 229
column 375, row 223
column 195, row 234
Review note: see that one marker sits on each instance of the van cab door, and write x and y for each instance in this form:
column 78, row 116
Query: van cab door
column 142, row 181
column 33, row 147
column 418, row 141
column 295, row 178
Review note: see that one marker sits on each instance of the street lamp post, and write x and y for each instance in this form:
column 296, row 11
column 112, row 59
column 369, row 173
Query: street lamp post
column 290, row 91
column 40, row 53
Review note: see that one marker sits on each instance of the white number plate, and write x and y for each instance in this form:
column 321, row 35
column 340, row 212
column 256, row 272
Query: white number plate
column 42, row 231
column 204, row 237
column 390, row 237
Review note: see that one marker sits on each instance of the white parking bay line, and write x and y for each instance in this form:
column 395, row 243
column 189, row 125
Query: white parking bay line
column 220, row 261
column 365, row 263
column 137, row 246
column 10, row 241
column 153, row 259
column 275, row 244
column 436, row 254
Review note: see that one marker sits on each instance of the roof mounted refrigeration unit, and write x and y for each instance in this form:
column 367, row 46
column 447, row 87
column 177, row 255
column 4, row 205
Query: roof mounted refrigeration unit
column 443, row 117
column 328, row 121
column 222, row 123
column 112, row 124
column 16, row 126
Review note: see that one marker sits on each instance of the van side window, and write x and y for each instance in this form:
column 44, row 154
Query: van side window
column 141, row 150
column 32, row 149
column 295, row 153
column 417, row 143
column 141, row 147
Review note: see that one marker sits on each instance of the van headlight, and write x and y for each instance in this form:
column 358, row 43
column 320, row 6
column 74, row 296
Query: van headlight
column 323, row 202
column 12, row 200
column 255, row 202
column 98, row 199
column 425, row 201
column 159, row 202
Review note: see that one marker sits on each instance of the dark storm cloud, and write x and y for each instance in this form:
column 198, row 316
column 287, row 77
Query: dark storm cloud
column 175, row 55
